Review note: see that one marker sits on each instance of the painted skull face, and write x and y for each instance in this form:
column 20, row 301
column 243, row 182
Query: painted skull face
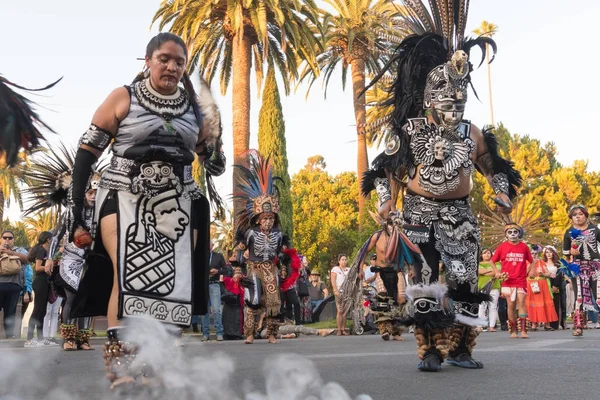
column 267, row 220
column 449, row 113
column 440, row 150
column 512, row 235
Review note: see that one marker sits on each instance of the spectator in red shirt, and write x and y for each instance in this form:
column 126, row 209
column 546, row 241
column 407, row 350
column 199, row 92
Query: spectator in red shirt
column 516, row 259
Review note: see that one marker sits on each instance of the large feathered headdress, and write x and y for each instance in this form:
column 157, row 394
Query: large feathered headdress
column 49, row 179
column 18, row 121
column 525, row 215
column 257, row 190
column 431, row 65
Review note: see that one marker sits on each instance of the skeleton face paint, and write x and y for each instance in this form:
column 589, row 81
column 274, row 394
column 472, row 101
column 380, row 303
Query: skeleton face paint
column 512, row 235
column 449, row 113
column 266, row 222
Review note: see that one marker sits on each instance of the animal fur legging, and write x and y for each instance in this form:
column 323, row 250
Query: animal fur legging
column 250, row 323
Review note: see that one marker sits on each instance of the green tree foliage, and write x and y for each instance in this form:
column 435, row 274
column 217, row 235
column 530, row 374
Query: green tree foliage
column 326, row 214
column 551, row 188
column 271, row 144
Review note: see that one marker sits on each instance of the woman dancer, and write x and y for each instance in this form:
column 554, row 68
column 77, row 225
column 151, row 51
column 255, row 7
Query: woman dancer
column 151, row 221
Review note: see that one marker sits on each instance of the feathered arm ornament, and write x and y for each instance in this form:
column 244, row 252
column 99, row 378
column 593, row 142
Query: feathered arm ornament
column 18, row 121
column 504, row 177
column 212, row 144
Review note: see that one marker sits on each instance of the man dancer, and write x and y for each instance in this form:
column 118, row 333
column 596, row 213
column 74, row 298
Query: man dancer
column 263, row 241
column 433, row 152
column 516, row 260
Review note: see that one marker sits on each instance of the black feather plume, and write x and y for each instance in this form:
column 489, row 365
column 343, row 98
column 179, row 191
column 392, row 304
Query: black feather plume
column 48, row 179
column 500, row 165
column 18, row 120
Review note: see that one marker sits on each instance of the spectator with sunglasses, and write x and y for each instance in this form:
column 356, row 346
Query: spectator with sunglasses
column 12, row 286
column 516, row 260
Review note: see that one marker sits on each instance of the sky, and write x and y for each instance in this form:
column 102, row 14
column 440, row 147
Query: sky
column 542, row 76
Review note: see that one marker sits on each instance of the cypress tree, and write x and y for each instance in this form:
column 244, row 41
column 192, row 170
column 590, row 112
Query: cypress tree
column 271, row 143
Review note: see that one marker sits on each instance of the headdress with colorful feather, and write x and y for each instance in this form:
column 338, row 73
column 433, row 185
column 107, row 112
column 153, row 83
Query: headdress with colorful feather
column 257, row 189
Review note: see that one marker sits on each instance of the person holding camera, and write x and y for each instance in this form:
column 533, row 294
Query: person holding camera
column 12, row 281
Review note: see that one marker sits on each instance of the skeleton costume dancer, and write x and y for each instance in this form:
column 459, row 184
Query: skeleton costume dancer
column 259, row 232
column 581, row 243
column 434, row 152
column 151, row 221
column 49, row 179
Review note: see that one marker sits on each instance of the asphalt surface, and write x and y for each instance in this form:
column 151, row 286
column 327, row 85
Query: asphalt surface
column 550, row 365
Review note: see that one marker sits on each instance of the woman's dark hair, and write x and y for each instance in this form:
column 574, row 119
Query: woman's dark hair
column 483, row 251
column 154, row 44
column 555, row 258
column 41, row 240
column 340, row 256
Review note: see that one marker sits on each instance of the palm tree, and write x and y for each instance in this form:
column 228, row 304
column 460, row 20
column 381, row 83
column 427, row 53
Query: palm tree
column 357, row 36
column 230, row 36
column 488, row 29
column 10, row 180
column 38, row 223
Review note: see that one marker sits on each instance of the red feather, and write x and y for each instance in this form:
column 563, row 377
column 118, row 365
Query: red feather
column 295, row 264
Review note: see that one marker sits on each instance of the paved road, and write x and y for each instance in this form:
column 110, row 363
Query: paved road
column 550, row 365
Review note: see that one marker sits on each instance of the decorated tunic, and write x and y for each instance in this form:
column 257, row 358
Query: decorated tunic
column 441, row 152
column 150, row 178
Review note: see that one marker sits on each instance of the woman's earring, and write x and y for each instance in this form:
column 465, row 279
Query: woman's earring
column 146, row 73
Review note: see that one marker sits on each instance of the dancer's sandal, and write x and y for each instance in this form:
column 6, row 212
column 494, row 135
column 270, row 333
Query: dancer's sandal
column 578, row 332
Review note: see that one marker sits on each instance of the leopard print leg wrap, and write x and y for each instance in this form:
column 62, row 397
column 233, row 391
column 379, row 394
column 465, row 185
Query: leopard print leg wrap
column 250, row 322
column 272, row 327
column 384, row 327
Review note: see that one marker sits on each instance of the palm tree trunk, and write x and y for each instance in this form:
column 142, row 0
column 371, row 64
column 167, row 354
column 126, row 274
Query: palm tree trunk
column 362, row 161
column 487, row 57
column 242, row 64
column 1, row 206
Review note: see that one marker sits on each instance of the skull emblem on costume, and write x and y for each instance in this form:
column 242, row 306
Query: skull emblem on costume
column 441, row 150
column 458, row 268
column 154, row 177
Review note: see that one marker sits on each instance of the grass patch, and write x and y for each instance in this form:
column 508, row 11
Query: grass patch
column 329, row 324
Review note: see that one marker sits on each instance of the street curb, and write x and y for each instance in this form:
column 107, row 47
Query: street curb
column 94, row 341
